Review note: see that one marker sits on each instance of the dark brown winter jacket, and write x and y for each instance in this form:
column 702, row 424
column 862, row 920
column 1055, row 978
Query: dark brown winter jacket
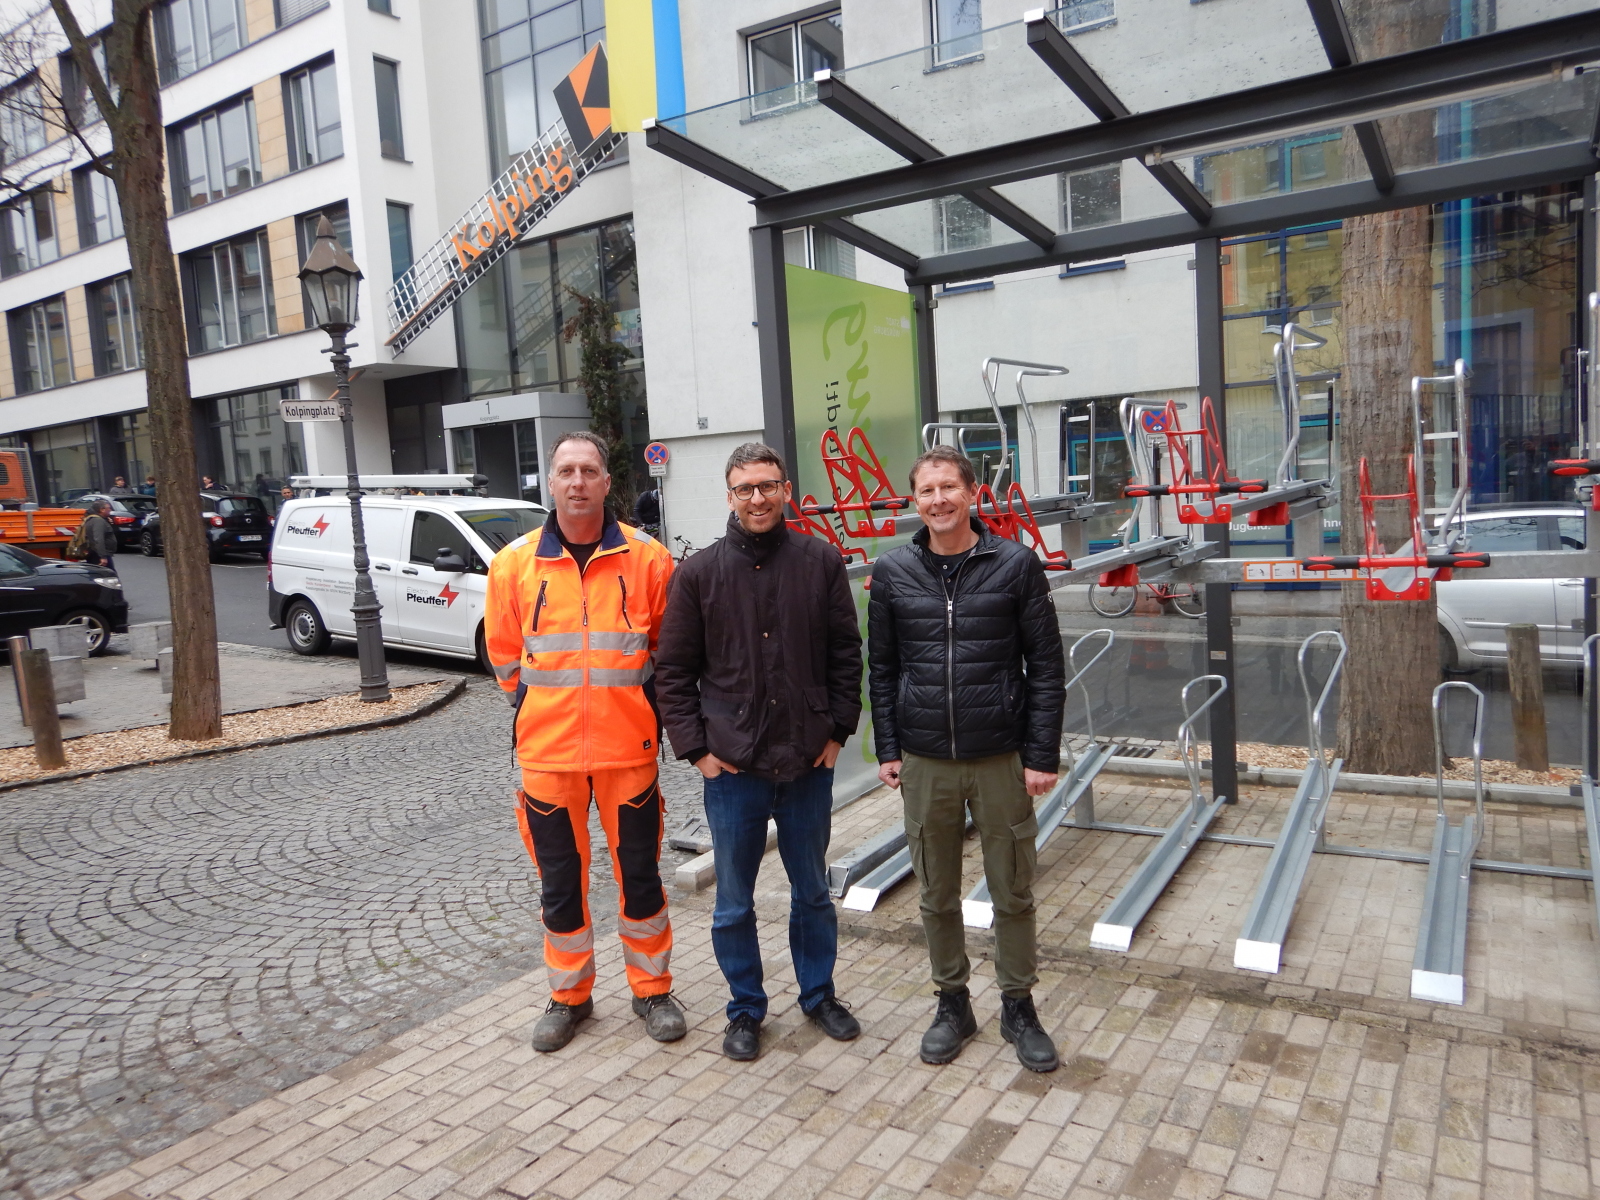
column 759, row 658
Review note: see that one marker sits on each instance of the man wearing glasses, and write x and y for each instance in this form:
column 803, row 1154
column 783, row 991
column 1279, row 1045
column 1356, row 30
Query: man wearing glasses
column 758, row 673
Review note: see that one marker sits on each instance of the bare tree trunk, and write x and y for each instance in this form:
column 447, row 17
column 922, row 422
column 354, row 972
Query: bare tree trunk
column 138, row 164
column 1386, row 719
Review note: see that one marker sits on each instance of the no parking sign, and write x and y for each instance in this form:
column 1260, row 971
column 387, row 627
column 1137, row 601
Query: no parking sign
column 656, row 455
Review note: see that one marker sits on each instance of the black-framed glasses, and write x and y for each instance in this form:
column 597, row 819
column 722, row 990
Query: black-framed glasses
column 767, row 487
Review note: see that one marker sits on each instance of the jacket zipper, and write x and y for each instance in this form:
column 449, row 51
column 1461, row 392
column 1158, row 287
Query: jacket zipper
column 623, row 584
column 950, row 644
column 539, row 604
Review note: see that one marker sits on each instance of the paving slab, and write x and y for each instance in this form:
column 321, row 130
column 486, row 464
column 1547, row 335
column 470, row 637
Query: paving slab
column 123, row 692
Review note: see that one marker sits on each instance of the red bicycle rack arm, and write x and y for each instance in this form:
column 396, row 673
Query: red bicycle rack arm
column 859, row 484
column 805, row 521
column 1208, row 483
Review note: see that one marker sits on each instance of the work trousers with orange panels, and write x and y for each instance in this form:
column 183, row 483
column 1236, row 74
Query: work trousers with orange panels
column 553, row 812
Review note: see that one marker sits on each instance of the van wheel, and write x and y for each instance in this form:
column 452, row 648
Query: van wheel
column 483, row 653
column 307, row 633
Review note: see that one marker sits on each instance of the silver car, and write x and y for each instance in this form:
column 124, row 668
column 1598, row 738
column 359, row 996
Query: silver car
column 1474, row 613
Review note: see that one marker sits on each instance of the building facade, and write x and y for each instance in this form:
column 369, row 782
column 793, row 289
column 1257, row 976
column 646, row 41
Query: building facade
column 391, row 117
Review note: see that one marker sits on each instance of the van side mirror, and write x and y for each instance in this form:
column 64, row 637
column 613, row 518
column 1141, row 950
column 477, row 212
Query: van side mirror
column 449, row 561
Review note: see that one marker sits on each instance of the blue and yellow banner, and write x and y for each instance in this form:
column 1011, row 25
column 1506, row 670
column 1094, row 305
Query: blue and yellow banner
column 645, row 49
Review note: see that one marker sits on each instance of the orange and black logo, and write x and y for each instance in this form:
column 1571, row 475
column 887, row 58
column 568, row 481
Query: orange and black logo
column 584, row 98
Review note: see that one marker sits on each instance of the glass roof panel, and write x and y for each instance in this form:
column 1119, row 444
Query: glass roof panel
column 1159, row 53
column 945, row 225
column 1545, row 114
column 1280, row 166
column 1384, row 27
column 786, row 137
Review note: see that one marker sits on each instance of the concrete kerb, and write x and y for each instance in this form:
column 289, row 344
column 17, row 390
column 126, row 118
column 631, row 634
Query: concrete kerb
column 450, row 693
column 1372, row 785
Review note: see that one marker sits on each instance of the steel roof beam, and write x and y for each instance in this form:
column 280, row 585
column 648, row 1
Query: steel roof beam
column 1450, row 181
column 1062, row 57
column 680, row 149
column 840, row 98
column 1327, row 99
column 1340, row 47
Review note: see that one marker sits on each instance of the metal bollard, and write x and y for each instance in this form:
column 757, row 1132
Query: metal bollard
column 17, row 645
column 47, row 748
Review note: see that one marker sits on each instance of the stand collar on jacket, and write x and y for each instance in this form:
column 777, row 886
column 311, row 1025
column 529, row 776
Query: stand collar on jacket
column 759, row 546
column 550, row 542
column 987, row 540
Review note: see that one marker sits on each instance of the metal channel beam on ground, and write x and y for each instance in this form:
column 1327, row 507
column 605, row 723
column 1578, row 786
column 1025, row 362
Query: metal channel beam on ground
column 1591, row 823
column 1259, row 946
column 1361, row 92
column 1438, row 971
column 863, row 895
column 977, row 910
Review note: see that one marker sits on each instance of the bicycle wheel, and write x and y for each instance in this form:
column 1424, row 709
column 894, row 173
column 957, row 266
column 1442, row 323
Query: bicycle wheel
column 1112, row 602
column 1188, row 599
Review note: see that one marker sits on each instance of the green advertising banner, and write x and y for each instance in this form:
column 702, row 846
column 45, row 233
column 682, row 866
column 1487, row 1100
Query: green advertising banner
column 853, row 363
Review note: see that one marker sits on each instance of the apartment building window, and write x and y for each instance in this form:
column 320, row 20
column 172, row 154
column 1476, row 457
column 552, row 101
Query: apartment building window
column 76, row 98
column 311, row 104
column 959, row 224
column 382, row 6
column 286, row 12
column 228, row 293
column 113, row 327
column 191, row 34
column 400, row 254
column 305, row 236
column 1091, row 198
column 391, row 139
column 39, row 352
column 782, row 59
column 957, row 29
column 214, row 155
column 527, row 50
column 99, row 214
column 818, row 250
column 28, row 233
column 22, row 126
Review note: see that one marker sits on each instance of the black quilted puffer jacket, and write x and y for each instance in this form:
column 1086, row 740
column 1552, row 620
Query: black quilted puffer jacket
column 980, row 675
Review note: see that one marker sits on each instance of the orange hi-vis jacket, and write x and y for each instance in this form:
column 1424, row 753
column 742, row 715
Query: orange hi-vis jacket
column 576, row 650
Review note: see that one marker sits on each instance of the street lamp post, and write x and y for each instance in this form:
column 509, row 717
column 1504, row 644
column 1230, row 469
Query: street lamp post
column 333, row 283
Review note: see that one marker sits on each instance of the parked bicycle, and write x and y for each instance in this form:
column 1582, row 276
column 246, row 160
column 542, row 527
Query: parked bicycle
column 1119, row 601
column 687, row 547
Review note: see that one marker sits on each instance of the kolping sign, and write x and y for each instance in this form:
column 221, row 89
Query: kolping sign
column 309, row 410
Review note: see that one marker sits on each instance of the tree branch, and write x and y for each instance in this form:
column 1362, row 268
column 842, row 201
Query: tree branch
column 83, row 55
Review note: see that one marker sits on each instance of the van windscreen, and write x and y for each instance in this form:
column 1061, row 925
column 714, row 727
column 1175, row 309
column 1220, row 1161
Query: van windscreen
column 499, row 527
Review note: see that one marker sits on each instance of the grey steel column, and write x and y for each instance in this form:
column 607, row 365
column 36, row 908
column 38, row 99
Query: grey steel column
column 365, row 610
column 923, row 303
column 772, row 337
column 1219, row 596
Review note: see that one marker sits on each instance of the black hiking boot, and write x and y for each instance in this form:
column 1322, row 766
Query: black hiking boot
column 1019, row 1025
column 953, row 1027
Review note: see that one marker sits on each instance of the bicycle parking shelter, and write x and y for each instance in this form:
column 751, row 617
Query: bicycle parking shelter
column 853, row 167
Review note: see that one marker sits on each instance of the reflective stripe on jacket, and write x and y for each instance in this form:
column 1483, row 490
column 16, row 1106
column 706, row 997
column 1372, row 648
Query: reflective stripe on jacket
column 580, row 646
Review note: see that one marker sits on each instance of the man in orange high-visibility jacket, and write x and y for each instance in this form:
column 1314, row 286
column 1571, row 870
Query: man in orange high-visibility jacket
column 571, row 621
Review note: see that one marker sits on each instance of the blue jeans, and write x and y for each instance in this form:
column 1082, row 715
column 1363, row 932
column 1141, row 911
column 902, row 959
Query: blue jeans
column 737, row 809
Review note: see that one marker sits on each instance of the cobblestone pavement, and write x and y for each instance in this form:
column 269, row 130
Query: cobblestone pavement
column 183, row 941
column 1179, row 1079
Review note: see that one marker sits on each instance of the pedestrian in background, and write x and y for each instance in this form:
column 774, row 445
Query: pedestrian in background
column 759, row 678
column 100, row 535
column 967, row 679
column 149, row 488
column 571, row 620
column 120, row 488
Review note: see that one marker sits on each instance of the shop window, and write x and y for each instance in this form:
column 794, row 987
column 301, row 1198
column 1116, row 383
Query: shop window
column 391, row 138
column 113, row 327
column 957, row 29
column 214, row 155
column 228, row 293
column 22, row 125
column 783, row 60
column 99, row 213
column 259, row 449
column 1090, row 199
column 66, row 462
column 40, row 355
column 133, row 435
column 524, row 57
column 311, row 109
column 28, row 232
column 400, row 256
column 191, row 34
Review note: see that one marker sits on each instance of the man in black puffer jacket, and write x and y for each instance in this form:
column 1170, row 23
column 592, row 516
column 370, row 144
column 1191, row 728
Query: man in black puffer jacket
column 966, row 676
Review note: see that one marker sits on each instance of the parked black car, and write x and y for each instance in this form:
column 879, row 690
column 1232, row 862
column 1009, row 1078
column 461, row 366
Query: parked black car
column 127, row 516
column 38, row 591
column 234, row 523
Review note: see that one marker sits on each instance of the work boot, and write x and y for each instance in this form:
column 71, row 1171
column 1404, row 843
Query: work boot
column 834, row 1019
column 559, row 1023
column 1019, row 1025
column 742, row 1042
column 953, row 1027
column 663, row 1019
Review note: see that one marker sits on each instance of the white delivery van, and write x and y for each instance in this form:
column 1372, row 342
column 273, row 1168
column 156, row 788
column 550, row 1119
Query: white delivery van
column 430, row 568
